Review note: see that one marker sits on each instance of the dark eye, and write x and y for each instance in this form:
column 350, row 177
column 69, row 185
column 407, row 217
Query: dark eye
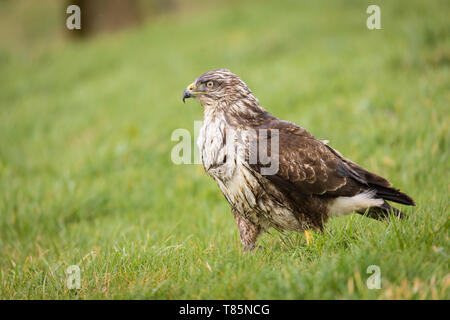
column 210, row 84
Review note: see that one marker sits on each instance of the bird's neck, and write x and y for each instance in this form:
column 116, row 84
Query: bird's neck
column 238, row 112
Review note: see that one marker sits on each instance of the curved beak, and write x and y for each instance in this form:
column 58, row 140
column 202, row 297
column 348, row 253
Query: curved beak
column 188, row 93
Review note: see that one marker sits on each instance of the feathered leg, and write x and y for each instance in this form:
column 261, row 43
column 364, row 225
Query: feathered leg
column 248, row 231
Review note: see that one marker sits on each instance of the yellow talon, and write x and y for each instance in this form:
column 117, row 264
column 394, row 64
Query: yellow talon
column 308, row 237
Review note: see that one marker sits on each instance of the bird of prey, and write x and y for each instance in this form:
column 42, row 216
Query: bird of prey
column 310, row 181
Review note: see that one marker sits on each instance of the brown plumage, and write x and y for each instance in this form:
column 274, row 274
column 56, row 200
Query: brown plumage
column 311, row 181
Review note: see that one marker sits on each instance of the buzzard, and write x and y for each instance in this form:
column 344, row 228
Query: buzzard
column 310, row 181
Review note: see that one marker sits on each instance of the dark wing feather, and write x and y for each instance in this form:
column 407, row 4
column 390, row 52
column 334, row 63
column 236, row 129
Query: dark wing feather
column 311, row 167
column 308, row 165
column 369, row 177
column 382, row 187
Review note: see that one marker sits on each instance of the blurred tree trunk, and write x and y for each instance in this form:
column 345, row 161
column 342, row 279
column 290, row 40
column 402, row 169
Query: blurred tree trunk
column 105, row 15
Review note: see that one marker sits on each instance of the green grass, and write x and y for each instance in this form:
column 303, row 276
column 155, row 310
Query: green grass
column 86, row 176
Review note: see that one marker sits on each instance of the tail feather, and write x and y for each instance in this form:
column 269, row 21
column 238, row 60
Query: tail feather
column 394, row 195
column 382, row 212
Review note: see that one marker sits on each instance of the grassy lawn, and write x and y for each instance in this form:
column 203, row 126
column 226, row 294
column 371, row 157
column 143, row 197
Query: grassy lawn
column 86, row 176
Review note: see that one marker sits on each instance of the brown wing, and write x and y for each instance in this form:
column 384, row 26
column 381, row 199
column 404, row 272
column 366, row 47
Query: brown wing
column 311, row 167
column 308, row 165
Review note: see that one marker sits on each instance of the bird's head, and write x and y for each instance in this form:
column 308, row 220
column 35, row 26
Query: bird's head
column 215, row 86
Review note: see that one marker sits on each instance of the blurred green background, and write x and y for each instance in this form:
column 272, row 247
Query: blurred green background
column 86, row 176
